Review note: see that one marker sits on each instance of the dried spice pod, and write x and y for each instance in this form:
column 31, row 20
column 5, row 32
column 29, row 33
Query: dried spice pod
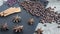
column 16, row 19
column 18, row 28
column 39, row 31
column 30, row 21
column 4, row 27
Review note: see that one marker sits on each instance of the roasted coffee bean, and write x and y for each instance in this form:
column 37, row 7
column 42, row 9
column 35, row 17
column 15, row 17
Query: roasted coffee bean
column 45, row 25
column 58, row 27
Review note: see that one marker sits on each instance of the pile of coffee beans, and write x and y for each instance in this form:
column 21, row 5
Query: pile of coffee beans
column 47, row 15
column 33, row 7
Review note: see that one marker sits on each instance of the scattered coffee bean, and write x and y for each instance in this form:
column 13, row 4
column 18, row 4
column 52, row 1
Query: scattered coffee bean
column 45, row 25
column 58, row 27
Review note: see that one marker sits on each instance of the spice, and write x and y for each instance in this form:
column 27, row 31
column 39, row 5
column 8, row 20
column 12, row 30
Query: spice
column 31, row 21
column 39, row 31
column 4, row 27
column 18, row 28
column 10, row 11
column 16, row 19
